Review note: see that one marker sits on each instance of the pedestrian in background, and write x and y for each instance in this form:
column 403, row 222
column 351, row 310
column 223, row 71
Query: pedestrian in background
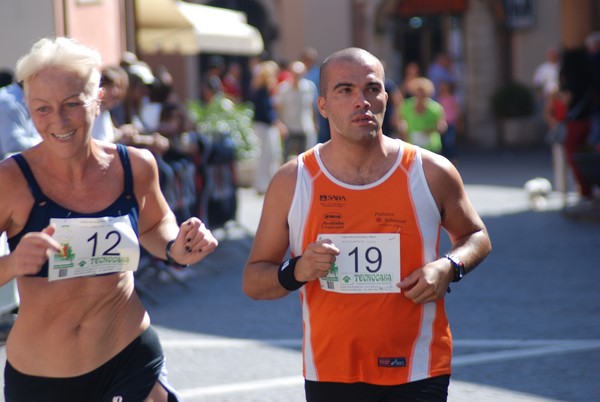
column 454, row 122
column 440, row 71
column 555, row 115
column 310, row 58
column 218, row 200
column 575, row 76
column 76, row 211
column 592, row 44
column 411, row 71
column 6, row 77
column 268, row 127
column 232, row 82
column 114, row 83
column 423, row 118
column 361, row 215
column 391, row 121
column 284, row 72
column 295, row 105
column 17, row 132
column 545, row 76
column 545, row 81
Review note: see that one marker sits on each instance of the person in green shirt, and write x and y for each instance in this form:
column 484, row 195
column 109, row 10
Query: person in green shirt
column 423, row 118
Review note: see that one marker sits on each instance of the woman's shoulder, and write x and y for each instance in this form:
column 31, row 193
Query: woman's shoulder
column 13, row 186
column 135, row 154
column 9, row 173
column 143, row 164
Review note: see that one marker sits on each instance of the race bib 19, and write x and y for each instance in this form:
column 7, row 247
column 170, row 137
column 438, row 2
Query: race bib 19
column 367, row 263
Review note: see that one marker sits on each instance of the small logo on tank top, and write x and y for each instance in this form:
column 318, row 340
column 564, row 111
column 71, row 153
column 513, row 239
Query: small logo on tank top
column 332, row 200
column 332, row 221
column 391, row 362
column 390, row 219
column 331, row 197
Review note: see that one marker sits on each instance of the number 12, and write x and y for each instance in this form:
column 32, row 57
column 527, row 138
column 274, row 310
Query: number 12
column 94, row 239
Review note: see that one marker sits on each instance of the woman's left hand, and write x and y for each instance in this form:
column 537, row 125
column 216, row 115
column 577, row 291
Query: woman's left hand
column 193, row 242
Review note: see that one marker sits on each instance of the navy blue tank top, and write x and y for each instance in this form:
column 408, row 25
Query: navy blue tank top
column 44, row 208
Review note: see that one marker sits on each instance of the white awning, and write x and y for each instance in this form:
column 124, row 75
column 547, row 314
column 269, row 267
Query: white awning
column 172, row 26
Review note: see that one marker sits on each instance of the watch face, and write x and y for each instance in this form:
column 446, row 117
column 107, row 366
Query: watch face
column 459, row 268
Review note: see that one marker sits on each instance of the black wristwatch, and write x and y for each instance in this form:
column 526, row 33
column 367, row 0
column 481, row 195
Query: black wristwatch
column 459, row 267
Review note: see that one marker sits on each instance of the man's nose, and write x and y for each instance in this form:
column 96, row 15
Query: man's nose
column 362, row 101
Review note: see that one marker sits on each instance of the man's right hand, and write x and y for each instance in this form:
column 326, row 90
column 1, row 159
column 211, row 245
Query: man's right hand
column 316, row 261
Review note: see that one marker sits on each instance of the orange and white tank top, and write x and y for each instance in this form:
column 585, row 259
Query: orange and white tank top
column 377, row 338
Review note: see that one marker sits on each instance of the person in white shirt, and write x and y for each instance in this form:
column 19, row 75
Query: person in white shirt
column 545, row 77
column 295, row 100
column 17, row 132
column 114, row 83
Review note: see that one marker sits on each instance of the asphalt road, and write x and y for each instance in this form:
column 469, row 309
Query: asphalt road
column 526, row 323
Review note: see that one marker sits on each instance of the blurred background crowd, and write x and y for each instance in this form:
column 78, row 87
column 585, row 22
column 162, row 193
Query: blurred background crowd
column 246, row 107
column 274, row 117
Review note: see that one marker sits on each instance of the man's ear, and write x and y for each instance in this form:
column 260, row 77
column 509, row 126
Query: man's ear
column 321, row 106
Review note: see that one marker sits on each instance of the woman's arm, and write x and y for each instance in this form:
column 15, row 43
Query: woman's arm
column 157, row 223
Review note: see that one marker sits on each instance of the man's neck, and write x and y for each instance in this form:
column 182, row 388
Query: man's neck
column 359, row 164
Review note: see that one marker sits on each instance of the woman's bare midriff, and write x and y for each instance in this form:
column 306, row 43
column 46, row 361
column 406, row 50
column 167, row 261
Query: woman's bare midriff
column 71, row 327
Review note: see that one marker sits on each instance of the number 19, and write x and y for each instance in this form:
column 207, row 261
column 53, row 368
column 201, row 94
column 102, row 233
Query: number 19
column 372, row 256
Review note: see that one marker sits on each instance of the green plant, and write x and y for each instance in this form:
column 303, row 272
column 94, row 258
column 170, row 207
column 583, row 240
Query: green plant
column 513, row 99
column 224, row 117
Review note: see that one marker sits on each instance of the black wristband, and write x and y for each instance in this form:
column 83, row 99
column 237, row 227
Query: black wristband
column 170, row 261
column 286, row 276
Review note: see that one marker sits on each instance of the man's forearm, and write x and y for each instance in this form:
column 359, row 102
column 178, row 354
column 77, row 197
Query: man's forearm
column 260, row 281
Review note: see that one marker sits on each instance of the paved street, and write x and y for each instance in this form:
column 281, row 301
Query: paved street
column 526, row 323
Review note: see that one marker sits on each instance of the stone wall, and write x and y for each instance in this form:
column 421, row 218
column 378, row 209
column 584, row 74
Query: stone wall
column 482, row 71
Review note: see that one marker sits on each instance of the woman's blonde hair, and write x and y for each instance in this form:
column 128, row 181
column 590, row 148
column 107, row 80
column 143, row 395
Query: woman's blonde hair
column 423, row 84
column 266, row 75
column 63, row 53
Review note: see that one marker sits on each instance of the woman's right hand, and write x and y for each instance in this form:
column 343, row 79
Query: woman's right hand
column 33, row 251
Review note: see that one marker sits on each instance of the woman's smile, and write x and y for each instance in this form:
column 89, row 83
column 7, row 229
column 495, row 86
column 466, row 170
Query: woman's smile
column 63, row 137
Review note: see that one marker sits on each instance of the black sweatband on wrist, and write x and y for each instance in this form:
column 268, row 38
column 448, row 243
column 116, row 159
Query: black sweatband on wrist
column 286, row 276
column 170, row 261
